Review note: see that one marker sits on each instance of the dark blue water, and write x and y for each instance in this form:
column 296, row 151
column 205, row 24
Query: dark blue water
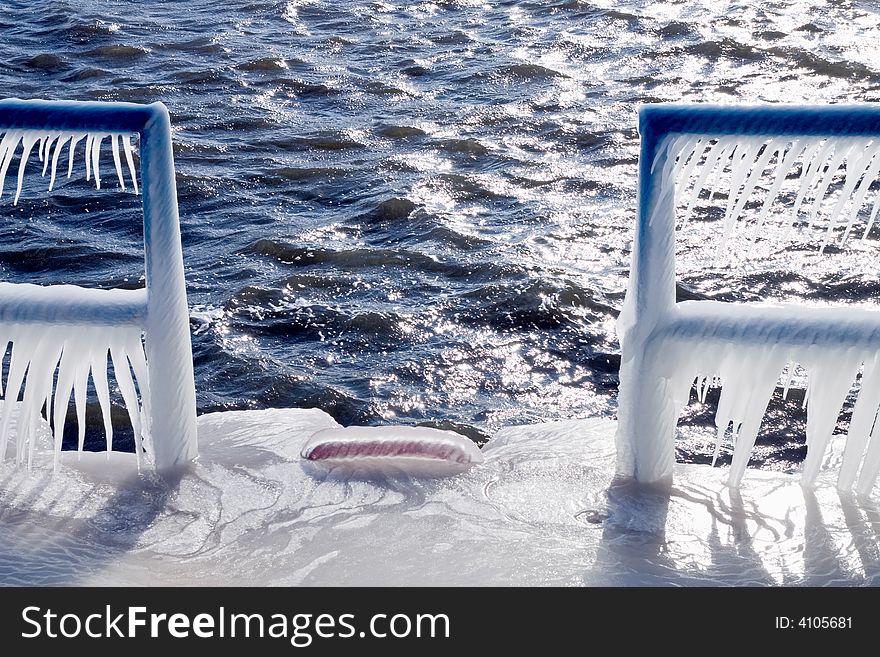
column 410, row 212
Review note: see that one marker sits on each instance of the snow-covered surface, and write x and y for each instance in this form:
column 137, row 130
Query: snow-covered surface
column 542, row 509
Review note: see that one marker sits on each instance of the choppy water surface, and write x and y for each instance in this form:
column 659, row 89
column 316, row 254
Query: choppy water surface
column 417, row 212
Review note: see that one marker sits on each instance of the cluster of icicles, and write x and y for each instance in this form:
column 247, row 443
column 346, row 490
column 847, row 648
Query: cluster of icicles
column 796, row 177
column 49, row 148
column 748, row 376
column 52, row 362
column 778, row 168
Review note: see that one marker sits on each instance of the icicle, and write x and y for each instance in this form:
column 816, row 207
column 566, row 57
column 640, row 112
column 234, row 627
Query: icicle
column 740, row 166
column 669, row 149
column 37, row 388
column 795, row 150
column 114, row 148
column 831, row 377
column 862, row 190
column 770, row 148
column 753, row 388
column 667, row 189
column 134, row 348
column 126, row 146
column 812, row 159
column 74, row 140
column 50, row 144
column 61, row 141
column 854, row 171
column 22, row 351
column 43, row 353
column 27, row 143
column 789, row 372
column 873, row 215
column 715, row 154
column 7, row 150
column 860, row 425
column 841, row 152
column 126, row 388
column 96, row 157
column 64, row 388
column 871, row 464
column 88, row 155
column 99, row 378
column 691, row 156
column 45, row 160
column 728, row 160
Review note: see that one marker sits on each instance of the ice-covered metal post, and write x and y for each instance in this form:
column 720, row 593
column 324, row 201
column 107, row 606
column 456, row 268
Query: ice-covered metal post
column 645, row 448
column 169, row 397
column 166, row 334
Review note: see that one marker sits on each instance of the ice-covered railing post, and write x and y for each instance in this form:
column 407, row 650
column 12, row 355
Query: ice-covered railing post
column 111, row 321
column 666, row 344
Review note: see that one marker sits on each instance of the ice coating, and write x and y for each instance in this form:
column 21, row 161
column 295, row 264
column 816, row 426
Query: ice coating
column 56, row 141
column 827, row 160
column 747, row 348
column 541, row 510
column 142, row 334
column 419, row 451
column 49, row 359
column 48, row 363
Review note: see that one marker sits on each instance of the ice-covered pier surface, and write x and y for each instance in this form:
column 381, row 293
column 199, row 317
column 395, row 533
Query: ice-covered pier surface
column 537, row 511
column 787, row 174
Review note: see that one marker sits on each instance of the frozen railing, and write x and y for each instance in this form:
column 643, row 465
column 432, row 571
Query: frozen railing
column 685, row 150
column 60, row 334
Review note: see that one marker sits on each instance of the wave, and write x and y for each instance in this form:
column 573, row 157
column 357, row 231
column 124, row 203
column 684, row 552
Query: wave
column 469, row 146
column 118, row 52
column 400, row 131
column 530, row 72
column 48, row 62
column 367, row 258
column 86, row 73
column 297, row 174
column 264, row 64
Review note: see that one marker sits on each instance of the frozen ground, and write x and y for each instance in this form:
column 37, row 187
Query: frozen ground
column 542, row 509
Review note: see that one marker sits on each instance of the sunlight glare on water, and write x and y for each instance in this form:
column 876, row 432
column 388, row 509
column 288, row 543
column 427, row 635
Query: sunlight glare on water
column 419, row 210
